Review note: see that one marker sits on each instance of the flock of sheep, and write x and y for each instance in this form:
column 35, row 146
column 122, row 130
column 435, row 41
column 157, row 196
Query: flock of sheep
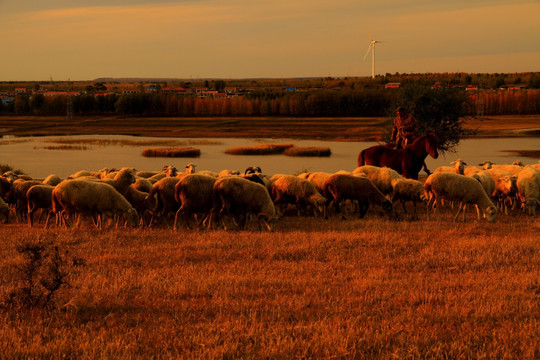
column 230, row 199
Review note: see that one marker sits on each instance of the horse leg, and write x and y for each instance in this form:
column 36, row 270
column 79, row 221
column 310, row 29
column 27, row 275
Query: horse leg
column 426, row 170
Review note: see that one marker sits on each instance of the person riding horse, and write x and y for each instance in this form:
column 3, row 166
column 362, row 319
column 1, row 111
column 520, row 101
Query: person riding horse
column 404, row 131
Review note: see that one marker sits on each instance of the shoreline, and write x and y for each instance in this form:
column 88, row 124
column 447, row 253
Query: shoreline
column 330, row 129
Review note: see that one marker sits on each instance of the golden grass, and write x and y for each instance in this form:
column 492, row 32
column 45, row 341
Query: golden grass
column 366, row 289
column 308, row 151
column 172, row 152
column 263, row 149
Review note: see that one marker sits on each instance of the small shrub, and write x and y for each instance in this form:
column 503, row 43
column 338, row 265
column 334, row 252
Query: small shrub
column 172, row 152
column 264, row 149
column 308, row 151
column 40, row 274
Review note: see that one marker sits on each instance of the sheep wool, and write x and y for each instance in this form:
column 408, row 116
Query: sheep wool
column 461, row 188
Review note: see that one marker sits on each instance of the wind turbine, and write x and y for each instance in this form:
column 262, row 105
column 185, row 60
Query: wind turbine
column 371, row 48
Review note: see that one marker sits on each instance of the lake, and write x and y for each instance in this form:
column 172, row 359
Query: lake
column 31, row 154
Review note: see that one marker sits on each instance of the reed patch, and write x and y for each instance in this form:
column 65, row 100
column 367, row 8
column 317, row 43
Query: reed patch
column 308, row 151
column 172, row 152
column 263, row 149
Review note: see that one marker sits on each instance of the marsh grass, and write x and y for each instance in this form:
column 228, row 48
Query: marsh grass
column 366, row 289
column 263, row 149
column 127, row 142
column 172, row 152
column 308, row 151
column 535, row 154
column 64, row 147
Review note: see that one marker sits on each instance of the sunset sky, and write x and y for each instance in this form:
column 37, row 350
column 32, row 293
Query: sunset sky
column 84, row 40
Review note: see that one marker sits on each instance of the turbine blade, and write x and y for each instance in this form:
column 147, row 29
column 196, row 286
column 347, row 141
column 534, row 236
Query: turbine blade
column 369, row 34
column 367, row 52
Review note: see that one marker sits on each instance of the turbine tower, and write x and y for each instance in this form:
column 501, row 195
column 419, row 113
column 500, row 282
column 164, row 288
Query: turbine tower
column 371, row 48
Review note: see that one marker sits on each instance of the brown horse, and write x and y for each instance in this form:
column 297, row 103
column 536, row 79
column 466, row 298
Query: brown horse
column 408, row 161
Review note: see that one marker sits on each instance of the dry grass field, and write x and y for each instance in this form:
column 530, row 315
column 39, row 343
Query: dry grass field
column 372, row 288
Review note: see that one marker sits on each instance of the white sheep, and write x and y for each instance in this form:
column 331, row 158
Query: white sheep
column 163, row 190
column 91, row 198
column 122, row 180
column 528, row 185
column 318, row 179
column 458, row 168
column 514, row 168
column 408, row 190
column 290, row 189
column 460, row 188
column 226, row 172
column 382, row 177
column 237, row 197
column 52, row 180
column 342, row 186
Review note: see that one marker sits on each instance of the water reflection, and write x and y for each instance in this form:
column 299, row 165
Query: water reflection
column 30, row 154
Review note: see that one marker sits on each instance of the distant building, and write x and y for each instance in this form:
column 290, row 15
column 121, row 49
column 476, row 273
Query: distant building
column 392, row 85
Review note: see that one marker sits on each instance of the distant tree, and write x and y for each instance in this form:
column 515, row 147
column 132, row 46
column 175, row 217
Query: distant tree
column 440, row 111
column 534, row 82
column 36, row 102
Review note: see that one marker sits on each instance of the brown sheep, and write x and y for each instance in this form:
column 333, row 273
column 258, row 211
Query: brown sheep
column 342, row 186
column 194, row 193
column 39, row 197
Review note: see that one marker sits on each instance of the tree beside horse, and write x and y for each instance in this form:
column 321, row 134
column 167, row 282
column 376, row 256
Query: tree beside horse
column 407, row 161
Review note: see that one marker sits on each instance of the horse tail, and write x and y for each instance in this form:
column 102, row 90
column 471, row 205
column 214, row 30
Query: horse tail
column 361, row 160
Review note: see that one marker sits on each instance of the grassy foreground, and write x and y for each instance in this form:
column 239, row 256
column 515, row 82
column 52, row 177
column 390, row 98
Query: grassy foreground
column 370, row 288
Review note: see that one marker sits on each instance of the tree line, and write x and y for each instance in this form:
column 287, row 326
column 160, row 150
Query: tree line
column 312, row 103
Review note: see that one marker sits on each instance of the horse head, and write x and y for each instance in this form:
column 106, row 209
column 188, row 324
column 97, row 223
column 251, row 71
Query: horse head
column 432, row 142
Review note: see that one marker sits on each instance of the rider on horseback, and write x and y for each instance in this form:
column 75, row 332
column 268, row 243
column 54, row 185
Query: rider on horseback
column 404, row 131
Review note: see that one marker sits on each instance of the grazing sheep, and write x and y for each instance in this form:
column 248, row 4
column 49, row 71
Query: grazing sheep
column 147, row 174
column 17, row 196
column 144, row 205
column 4, row 211
column 163, row 190
column 290, row 189
column 122, row 180
column 382, row 177
column 514, row 169
column 486, row 180
column 461, row 188
column 52, row 180
column 253, row 170
column 408, row 190
column 237, row 197
column 505, row 191
column 226, row 172
column 190, row 168
column 5, row 187
column 528, row 184
column 458, row 168
column 91, row 198
column 208, row 172
column 194, row 193
column 39, row 197
column 342, row 186
column 10, row 176
column 318, row 179
column 143, row 185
